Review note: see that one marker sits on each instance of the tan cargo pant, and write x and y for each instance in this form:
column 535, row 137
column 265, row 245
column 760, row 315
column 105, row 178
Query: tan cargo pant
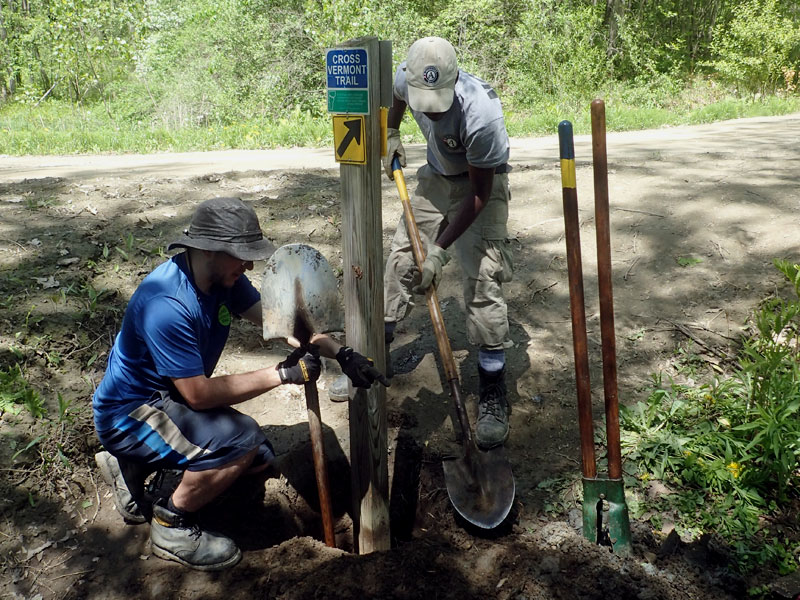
column 483, row 251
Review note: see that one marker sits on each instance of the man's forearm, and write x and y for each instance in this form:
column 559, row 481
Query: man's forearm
column 396, row 112
column 202, row 392
column 467, row 213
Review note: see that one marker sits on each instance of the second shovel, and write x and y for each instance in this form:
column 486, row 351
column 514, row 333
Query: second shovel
column 299, row 297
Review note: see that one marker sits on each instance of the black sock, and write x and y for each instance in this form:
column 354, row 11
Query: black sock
column 172, row 508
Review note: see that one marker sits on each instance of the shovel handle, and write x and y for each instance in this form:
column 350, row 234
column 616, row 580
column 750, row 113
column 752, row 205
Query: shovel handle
column 576, row 298
column 320, row 465
column 445, row 351
column 608, row 339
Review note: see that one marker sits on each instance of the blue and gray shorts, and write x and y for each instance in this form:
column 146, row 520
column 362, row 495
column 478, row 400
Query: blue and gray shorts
column 168, row 434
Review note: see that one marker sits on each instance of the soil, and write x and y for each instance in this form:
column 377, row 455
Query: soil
column 697, row 215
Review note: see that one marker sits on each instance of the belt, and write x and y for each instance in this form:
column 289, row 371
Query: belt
column 504, row 168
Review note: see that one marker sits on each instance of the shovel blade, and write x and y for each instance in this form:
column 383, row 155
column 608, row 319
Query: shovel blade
column 480, row 486
column 299, row 286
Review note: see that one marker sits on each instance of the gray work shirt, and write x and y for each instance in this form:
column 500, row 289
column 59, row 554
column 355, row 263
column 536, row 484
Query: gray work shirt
column 471, row 132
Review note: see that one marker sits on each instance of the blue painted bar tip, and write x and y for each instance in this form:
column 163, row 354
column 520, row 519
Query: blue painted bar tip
column 565, row 145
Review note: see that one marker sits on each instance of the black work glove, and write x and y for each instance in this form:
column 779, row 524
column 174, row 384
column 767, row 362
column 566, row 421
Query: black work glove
column 360, row 369
column 301, row 366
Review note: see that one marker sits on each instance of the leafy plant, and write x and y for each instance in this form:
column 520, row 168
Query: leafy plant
column 730, row 446
column 757, row 48
column 688, row 261
column 16, row 393
column 127, row 248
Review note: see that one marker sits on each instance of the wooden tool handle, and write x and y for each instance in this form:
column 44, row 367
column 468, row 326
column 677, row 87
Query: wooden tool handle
column 320, row 466
column 576, row 298
column 445, row 351
column 602, row 222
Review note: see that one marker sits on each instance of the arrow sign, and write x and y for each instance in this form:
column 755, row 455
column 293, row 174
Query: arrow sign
column 353, row 133
column 349, row 140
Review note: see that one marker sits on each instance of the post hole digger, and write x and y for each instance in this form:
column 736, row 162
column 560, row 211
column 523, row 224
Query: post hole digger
column 299, row 297
column 596, row 489
column 480, row 484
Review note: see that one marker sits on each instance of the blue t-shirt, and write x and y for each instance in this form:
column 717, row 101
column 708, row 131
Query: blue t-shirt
column 170, row 329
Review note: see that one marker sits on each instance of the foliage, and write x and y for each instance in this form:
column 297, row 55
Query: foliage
column 556, row 54
column 729, row 446
column 205, row 74
column 67, row 49
column 16, row 392
column 484, row 32
column 759, row 49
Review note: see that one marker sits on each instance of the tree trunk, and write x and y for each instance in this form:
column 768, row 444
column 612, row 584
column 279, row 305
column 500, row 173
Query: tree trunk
column 614, row 8
column 7, row 85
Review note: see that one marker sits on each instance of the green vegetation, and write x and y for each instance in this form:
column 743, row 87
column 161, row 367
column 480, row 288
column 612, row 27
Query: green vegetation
column 125, row 75
column 726, row 450
column 16, row 392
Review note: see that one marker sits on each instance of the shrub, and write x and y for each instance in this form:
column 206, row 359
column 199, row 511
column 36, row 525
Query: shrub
column 558, row 53
column 757, row 48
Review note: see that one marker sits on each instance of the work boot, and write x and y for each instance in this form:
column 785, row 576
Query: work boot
column 126, row 479
column 339, row 390
column 492, row 427
column 178, row 537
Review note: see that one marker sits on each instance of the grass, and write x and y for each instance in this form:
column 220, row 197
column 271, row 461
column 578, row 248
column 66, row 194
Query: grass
column 59, row 128
column 63, row 128
column 620, row 116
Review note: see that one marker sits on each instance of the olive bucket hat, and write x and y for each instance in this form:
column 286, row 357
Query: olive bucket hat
column 226, row 225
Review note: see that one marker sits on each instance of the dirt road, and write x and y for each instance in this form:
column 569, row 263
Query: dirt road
column 697, row 215
column 624, row 147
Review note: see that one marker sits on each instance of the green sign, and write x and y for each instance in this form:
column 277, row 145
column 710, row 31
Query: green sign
column 348, row 101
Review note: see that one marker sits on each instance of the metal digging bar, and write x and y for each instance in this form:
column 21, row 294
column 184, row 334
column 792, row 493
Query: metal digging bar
column 596, row 489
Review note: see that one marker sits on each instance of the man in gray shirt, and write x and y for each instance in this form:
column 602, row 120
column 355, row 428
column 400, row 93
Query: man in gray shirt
column 461, row 201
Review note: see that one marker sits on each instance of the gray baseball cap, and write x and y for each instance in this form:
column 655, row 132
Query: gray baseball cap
column 226, row 225
column 431, row 72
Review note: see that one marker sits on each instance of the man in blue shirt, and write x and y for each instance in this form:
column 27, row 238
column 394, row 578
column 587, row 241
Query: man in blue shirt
column 158, row 405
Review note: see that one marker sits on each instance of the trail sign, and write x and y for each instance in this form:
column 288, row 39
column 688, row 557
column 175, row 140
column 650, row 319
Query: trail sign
column 354, row 102
column 348, row 80
column 349, row 141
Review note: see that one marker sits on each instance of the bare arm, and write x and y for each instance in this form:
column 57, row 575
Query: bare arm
column 396, row 112
column 201, row 392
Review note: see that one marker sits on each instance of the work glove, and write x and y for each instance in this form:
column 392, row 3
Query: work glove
column 360, row 369
column 301, row 366
column 393, row 146
column 432, row 269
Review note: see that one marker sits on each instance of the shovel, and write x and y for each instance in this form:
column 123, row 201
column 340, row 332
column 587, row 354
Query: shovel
column 480, row 484
column 596, row 489
column 299, row 297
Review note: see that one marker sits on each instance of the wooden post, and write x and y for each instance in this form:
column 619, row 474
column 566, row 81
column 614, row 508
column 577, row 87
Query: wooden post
column 362, row 247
